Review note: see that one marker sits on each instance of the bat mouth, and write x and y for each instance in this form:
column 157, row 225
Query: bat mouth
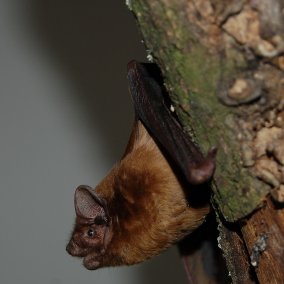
column 75, row 250
column 90, row 262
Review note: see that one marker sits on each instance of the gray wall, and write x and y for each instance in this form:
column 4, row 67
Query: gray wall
column 65, row 116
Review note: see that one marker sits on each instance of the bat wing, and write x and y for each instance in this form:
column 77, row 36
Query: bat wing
column 150, row 107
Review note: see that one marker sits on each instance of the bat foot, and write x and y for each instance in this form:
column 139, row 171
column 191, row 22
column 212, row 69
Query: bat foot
column 204, row 171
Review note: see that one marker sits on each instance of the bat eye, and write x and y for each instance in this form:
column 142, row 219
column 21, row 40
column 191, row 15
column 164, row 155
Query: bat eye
column 91, row 233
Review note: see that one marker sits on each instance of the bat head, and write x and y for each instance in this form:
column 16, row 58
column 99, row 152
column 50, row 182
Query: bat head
column 92, row 231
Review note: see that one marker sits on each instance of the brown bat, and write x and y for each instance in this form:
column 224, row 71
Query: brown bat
column 154, row 196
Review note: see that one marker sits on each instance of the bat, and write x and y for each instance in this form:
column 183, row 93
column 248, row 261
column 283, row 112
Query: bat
column 154, row 196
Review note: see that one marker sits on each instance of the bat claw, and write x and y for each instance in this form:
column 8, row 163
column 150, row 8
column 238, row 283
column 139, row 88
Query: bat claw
column 203, row 172
column 212, row 153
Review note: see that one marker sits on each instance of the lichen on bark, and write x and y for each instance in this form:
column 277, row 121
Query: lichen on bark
column 216, row 78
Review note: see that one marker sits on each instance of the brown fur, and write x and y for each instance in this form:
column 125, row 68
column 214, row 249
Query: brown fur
column 147, row 205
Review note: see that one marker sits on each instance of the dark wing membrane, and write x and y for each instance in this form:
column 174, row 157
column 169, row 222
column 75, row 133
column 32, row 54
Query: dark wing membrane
column 151, row 109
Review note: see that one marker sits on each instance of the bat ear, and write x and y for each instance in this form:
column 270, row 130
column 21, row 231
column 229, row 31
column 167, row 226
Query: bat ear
column 88, row 204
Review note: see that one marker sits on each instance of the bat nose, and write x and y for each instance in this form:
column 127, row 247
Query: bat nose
column 70, row 248
column 73, row 249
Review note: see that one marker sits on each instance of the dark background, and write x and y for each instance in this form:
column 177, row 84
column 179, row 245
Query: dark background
column 65, row 117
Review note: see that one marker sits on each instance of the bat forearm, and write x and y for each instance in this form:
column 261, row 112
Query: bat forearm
column 148, row 97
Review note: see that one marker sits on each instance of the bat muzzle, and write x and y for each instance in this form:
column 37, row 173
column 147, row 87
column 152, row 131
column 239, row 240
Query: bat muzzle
column 75, row 250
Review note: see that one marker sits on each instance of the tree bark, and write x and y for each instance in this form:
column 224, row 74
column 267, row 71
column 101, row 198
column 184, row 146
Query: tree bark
column 223, row 66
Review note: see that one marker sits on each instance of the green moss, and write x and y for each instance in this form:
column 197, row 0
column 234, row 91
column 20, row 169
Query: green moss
column 192, row 72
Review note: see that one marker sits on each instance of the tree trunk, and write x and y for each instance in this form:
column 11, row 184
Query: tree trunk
column 223, row 66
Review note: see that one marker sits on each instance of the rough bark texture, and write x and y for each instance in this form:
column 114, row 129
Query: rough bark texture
column 263, row 233
column 223, row 65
